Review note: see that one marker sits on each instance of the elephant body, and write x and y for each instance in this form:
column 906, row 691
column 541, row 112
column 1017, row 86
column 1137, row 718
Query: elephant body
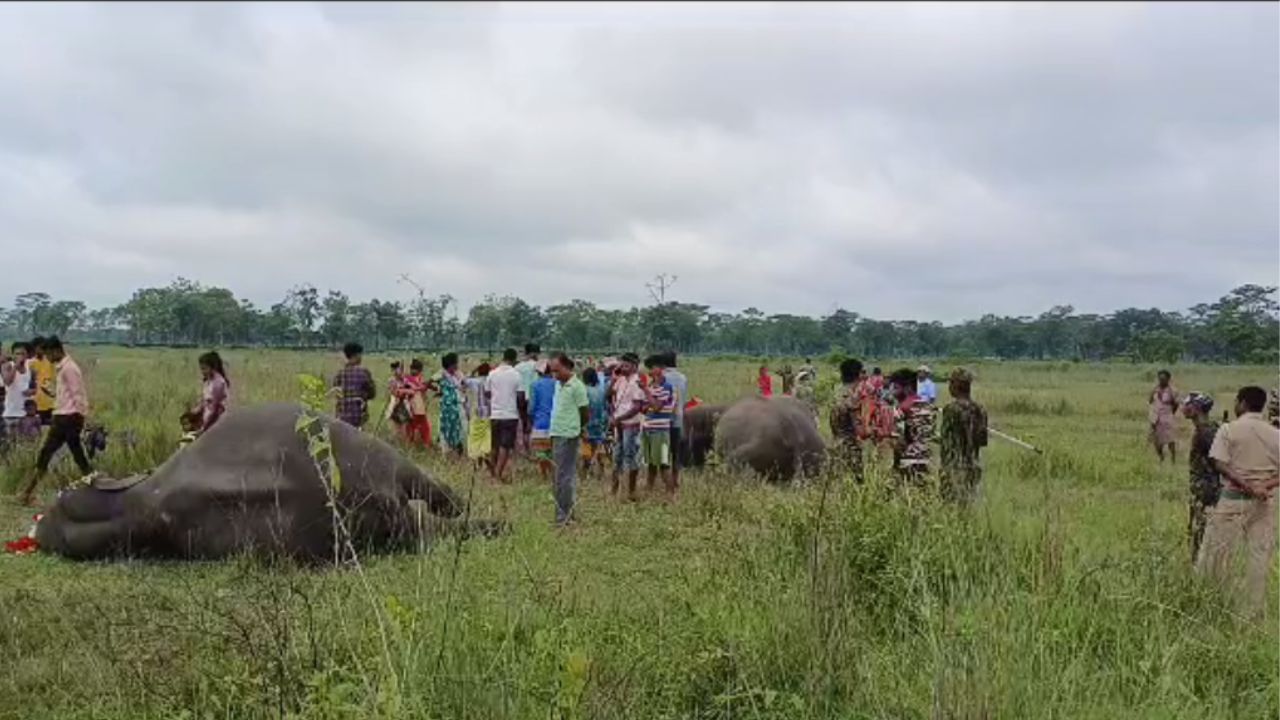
column 250, row 485
column 775, row 437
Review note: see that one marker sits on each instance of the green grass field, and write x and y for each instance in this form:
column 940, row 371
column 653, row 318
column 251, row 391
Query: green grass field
column 1066, row 593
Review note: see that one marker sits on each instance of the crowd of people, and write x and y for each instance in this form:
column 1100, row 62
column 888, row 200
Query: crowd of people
column 43, row 394
column 897, row 418
column 1234, row 472
column 621, row 415
column 565, row 416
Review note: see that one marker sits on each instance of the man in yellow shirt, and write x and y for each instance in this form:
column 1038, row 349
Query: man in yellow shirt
column 42, row 374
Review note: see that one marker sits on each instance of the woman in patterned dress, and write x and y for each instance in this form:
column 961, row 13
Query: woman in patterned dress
column 451, row 405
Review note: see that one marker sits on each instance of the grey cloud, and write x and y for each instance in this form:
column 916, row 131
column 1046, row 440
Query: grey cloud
column 928, row 161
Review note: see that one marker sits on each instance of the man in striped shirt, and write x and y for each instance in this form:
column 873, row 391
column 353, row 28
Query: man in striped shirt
column 656, row 428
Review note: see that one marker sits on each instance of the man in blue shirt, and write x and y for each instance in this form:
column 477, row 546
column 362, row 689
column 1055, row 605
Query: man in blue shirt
column 924, row 384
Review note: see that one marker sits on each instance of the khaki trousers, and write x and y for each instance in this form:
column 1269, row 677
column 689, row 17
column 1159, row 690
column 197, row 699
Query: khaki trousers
column 1233, row 527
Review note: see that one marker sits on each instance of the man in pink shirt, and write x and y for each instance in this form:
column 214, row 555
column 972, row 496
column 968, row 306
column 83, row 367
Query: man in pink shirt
column 71, row 404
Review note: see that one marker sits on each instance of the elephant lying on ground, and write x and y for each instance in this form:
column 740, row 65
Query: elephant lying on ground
column 250, row 485
column 775, row 437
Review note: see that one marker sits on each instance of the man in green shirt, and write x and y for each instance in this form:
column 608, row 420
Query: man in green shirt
column 569, row 412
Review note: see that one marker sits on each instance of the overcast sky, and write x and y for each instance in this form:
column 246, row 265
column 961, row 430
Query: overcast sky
column 928, row 161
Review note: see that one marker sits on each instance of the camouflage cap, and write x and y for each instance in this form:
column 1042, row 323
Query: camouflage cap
column 961, row 375
column 1200, row 401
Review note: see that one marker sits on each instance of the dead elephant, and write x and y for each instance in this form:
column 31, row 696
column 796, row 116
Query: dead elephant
column 775, row 437
column 250, row 485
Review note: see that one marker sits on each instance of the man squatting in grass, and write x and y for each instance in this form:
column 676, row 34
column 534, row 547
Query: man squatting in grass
column 962, row 435
column 569, row 415
column 628, row 403
column 70, row 407
column 504, row 413
column 1246, row 453
column 656, row 426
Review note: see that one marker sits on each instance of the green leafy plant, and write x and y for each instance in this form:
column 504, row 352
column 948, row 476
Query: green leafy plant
column 313, row 395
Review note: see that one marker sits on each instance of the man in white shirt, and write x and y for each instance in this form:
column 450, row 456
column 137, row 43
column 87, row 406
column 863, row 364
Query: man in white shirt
column 504, row 413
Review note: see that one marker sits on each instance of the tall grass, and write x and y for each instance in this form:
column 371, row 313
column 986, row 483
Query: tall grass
column 1064, row 593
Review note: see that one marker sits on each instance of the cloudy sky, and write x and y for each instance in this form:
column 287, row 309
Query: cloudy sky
column 929, row 161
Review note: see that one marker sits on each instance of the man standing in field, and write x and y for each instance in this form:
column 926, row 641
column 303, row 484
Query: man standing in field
column 1161, row 413
column 656, row 427
column 71, row 405
column 962, row 435
column 680, row 384
column 809, row 368
column 628, row 405
column 925, row 387
column 1205, row 483
column 528, row 371
column 18, row 384
column 355, row 387
column 788, row 379
column 846, row 420
column 569, row 416
column 504, row 412
column 1247, row 455
column 914, row 419
column 43, row 374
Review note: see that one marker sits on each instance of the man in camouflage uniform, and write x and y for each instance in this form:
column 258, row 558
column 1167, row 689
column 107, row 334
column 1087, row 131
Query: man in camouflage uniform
column 1273, row 408
column 913, row 429
column 1205, row 483
column 847, row 453
column 962, row 435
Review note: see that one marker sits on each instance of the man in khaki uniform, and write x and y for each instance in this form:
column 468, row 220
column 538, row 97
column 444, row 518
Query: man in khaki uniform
column 1247, row 455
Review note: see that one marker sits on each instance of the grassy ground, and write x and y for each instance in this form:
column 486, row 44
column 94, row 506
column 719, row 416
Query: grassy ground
column 1065, row 594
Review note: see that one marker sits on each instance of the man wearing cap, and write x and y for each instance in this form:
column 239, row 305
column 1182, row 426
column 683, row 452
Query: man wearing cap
column 962, row 435
column 924, row 384
column 1246, row 453
column 1205, row 483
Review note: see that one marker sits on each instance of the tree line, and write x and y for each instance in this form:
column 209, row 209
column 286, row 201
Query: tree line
column 1243, row 326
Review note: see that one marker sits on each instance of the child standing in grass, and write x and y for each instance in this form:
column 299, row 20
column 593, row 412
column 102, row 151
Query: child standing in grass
column 541, row 402
column 597, row 422
column 479, row 432
column 962, row 435
column 656, row 427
